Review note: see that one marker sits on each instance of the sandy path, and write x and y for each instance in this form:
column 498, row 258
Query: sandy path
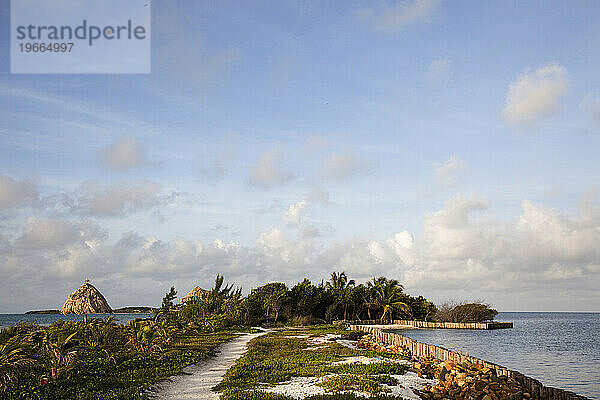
column 206, row 374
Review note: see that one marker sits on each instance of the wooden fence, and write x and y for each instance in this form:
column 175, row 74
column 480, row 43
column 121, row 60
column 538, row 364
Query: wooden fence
column 440, row 325
column 535, row 387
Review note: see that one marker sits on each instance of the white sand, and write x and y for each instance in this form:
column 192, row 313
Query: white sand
column 370, row 360
column 407, row 382
column 328, row 338
column 301, row 387
column 351, row 344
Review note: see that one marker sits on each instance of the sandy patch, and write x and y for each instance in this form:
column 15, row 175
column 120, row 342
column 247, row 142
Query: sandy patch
column 298, row 387
column 408, row 382
column 301, row 387
column 351, row 344
column 369, row 360
column 330, row 337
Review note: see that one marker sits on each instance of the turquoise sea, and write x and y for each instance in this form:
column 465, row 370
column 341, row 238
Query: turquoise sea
column 558, row 349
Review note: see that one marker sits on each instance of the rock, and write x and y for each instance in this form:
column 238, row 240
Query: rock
column 443, row 373
column 86, row 300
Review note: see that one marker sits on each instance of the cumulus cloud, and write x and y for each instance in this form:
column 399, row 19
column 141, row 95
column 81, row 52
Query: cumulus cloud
column 535, row 94
column 14, row 193
column 55, row 233
column 341, row 166
column 117, row 200
column 400, row 15
column 462, row 252
column 123, row 155
column 293, row 214
column 446, row 174
column 92, row 199
column 268, row 171
column 591, row 104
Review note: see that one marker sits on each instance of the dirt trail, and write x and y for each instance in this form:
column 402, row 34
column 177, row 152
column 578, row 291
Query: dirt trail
column 206, row 374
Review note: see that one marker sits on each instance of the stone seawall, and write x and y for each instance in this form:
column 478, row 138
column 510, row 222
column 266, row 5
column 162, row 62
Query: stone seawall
column 442, row 325
column 418, row 349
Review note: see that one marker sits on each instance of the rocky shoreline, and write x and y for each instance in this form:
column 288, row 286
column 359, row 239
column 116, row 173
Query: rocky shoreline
column 455, row 381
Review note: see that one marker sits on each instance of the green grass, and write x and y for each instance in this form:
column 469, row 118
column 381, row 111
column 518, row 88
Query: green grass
column 123, row 376
column 277, row 357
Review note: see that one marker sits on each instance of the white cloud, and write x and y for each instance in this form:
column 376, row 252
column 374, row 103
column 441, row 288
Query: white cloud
column 535, row 95
column 95, row 200
column 292, row 216
column 57, row 234
column 591, row 104
column 117, row 200
column 402, row 14
column 341, row 166
column 446, row 174
column 462, row 253
column 124, row 154
column 438, row 72
column 268, row 171
column 14, row 193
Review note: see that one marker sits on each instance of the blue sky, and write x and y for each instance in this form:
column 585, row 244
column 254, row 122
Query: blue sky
column 452, row 145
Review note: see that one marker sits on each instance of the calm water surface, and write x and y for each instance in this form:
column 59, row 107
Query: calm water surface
column 47, row 319
column 558, row 349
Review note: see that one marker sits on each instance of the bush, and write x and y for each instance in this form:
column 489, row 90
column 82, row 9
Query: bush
column 465, row 312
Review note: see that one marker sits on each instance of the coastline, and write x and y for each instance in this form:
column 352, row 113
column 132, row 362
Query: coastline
column 450, row 362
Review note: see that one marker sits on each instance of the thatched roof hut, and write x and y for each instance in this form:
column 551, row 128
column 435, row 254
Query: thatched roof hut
column 195, row 293
column 86, row 300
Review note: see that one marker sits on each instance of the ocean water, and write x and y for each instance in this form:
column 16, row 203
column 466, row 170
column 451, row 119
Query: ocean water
column 7, row 320
column 558, row 349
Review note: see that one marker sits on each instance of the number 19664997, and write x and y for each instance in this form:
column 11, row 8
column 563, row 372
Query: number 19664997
column 43, row 47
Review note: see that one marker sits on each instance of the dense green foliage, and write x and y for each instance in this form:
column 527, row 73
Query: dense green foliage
column 465, row 312
column 337, row 299
column 97, row 360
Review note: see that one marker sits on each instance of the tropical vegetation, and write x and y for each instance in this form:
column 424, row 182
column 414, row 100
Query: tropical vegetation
column 103, row 359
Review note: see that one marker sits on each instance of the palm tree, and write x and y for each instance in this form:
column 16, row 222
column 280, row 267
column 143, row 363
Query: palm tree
column 342, row 288
column 13, row 360
column 218, row 291
column 339, row 281
column 60, row 352
column 141, row 336
column 388, row 295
